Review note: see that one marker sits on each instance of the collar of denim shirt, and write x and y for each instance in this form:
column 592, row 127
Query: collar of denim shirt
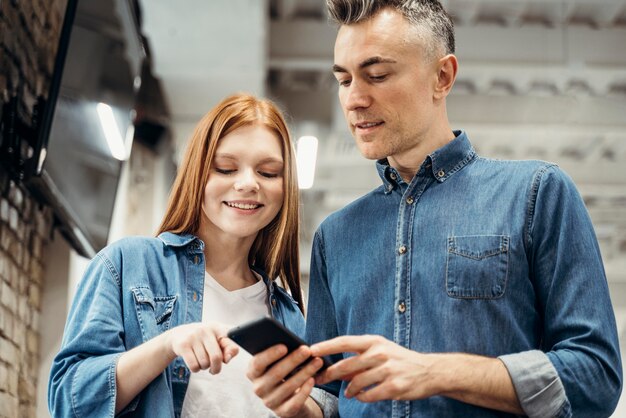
column 441, row 163
column 182, row 240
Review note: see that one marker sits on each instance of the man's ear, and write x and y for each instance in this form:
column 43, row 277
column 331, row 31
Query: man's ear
column 447, row 68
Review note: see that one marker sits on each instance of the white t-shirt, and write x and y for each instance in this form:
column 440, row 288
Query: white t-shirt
column 227, row 394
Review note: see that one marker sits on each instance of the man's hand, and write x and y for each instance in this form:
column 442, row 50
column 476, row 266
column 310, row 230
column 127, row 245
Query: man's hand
column 285, row 396
column 383, row 370
column 380, row 370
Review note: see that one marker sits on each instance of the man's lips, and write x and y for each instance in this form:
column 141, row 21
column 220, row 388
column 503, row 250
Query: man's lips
column 367, row 125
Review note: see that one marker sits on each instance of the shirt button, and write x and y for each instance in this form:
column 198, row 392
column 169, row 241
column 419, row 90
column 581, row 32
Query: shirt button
column 273, row 302
column 389, row 188
column 409, row 200
column 441, row 173
column 393, row 176
column 195, row 259
column 181, row 372
column 402, row 307
column 402, row 249
column 195, row 297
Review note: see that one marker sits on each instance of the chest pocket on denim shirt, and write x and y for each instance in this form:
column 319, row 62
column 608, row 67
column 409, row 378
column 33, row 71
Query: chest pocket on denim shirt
column 154, row 313
column 477, row 266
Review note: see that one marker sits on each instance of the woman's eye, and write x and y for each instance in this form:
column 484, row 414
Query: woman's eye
column 224, row 170
column 268, row 175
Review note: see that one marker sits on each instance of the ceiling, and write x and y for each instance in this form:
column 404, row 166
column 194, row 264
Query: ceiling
column 538, row 79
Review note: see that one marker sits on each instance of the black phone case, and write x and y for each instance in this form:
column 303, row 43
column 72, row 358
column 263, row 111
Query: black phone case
column 263, row 333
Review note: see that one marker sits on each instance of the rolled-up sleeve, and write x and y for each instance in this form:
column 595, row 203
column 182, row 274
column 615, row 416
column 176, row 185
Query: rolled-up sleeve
column 537, row 384
column 326, row 401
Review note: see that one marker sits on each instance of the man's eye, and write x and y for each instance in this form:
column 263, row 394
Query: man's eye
column 377, row 78
column 344, row 83
column 224, row 171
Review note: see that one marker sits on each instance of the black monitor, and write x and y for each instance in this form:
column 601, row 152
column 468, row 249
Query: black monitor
column 85, row 130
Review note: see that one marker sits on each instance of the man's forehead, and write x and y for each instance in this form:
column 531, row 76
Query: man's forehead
column 367, row 40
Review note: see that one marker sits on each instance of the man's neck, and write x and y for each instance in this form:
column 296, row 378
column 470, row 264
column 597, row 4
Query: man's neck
column 409, row 162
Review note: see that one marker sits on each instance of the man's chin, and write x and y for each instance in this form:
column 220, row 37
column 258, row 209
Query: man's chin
column 371, row 153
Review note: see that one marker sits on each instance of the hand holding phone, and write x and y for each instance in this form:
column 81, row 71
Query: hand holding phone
column 260, row 334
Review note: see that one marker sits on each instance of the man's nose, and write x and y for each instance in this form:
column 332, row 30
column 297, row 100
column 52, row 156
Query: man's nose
column 357, row 96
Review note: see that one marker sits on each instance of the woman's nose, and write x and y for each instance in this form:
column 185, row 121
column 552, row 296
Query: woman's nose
column 246, row 181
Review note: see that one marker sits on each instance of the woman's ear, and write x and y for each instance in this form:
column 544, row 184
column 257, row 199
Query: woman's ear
column 447, row 68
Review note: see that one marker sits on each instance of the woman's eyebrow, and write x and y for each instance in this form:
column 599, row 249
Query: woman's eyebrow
column 266, row 160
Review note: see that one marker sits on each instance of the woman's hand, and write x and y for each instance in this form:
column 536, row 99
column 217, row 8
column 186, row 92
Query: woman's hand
column 286, row 396
column 201, row 345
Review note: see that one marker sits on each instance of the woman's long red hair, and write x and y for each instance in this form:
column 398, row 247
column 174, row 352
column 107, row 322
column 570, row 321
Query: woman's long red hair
column 275, row 249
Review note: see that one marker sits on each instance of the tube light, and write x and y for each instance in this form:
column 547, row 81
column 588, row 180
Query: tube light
column 306, row 156
column 112, row 132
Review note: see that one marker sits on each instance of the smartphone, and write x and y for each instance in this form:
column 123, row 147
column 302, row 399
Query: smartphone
column 263, row 333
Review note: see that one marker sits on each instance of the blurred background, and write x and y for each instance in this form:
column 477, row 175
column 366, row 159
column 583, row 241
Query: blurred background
column 537, row 80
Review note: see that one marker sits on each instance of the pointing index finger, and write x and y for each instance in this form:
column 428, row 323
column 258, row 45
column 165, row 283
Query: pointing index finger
column 343, row 344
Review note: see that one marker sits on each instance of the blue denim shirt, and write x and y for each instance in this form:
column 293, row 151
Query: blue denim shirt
column 496, row 258
column 132, row 291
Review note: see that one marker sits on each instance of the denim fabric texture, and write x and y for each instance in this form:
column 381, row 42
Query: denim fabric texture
column 474, row 255
column 132, row 291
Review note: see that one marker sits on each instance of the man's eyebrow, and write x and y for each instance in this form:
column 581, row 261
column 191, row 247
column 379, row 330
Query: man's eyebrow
column 365, row 63
column 376, row 60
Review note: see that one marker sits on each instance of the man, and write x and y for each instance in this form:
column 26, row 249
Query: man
column 463, row 286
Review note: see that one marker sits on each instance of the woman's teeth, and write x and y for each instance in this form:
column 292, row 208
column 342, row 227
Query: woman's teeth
column 246, row 206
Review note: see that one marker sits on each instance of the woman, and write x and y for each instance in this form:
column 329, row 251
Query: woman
column 146, row 334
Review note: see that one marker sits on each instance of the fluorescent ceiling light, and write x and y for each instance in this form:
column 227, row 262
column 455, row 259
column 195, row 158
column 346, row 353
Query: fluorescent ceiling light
column 112, row 132
column 306, row 155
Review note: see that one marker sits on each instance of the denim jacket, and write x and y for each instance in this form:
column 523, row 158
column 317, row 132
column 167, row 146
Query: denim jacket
column 496, row 258
column 132, row 291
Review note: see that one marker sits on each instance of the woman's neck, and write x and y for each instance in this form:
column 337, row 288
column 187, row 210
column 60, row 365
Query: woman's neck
column 226, row 260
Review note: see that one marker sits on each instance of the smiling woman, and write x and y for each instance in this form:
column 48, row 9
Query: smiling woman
column 270, row 249
column 245, row 188
column 230, row 229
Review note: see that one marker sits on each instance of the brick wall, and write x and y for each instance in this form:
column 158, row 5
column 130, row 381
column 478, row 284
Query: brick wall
column 28, row 40
column 24, row 230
